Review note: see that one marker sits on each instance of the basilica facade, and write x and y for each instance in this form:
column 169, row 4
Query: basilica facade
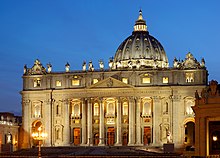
column 137, row 100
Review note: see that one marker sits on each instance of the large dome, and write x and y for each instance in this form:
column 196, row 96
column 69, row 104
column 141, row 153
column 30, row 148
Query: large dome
column 140, row 50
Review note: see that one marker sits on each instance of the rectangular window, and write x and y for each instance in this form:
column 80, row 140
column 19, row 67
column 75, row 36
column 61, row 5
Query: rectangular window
column 146, row 80
column 58, row 83
column 189, row 77
column 125, row 108
column 75, row 82
column 95, row 80
column 165, row 80
column 125, row 80
column 37, row 82
column 96, row 109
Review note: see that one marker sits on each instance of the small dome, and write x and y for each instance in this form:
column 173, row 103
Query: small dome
column 140, row 50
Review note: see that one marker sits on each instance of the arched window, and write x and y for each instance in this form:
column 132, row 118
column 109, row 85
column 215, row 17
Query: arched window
column 96, row 109
column 147, row 109
column 37, row 109
column 76, row 110
column 110, row 109
column 125, row 108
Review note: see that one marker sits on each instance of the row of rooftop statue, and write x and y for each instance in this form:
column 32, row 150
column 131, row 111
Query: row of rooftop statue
column 189, row 63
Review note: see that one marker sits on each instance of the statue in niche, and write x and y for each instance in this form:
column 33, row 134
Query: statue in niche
column 84, row 65
column 101, row 65
column 9, row 138
column 169, row 137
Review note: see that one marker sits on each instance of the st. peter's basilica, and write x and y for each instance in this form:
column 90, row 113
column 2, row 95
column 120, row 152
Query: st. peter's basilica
column 137, row 100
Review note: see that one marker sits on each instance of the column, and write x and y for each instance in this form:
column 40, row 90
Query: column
column 66, row 132
column 138, row 122
column 89, row 122
column 25, row 123
column 83, row 136
column 48, row 126
column 101, row 124
column 131, row 123
column 118, row 138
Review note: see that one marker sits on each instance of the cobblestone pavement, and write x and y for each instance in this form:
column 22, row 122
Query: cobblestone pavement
column 92, row 152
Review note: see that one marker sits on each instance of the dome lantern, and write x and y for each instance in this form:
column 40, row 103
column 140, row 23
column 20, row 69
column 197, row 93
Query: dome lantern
column 140, row 24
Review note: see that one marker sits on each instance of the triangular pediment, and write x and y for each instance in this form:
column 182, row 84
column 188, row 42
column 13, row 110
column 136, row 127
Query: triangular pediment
column 111, row 83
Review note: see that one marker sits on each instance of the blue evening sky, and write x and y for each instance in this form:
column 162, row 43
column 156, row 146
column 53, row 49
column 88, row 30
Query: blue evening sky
column 58, row 31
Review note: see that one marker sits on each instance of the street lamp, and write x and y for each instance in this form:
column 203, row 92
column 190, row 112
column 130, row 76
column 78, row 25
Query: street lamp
column 40, row 136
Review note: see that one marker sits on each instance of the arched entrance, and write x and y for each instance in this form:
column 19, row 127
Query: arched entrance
column 76, row 136
column 125, row 139
column 111, row 136
column 35, row 126
column 96, row 139
column 190, row 133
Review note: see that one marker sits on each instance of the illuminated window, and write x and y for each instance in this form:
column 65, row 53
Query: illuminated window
column 95, row 80
column 146, row 109
column 37, row 82
column 37, row 110
column 125, row 80
column 146, row 80
column 58, row 83
column 165, row 79
column 189, row 77
column 96, row 109
column 75, row 82
column 125, row 108
column 76, row 110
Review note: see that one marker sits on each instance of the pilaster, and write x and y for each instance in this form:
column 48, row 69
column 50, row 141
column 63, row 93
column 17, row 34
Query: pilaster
column 89, row 123
column 138, row 122
column 131, row 122
column 83, row 122
column 101, row 124
column 66, row 132
column 118, row 137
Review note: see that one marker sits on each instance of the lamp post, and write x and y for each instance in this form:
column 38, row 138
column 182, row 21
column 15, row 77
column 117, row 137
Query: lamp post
column 40, row 136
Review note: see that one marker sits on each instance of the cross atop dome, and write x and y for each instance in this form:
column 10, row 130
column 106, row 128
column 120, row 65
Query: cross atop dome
column 140, row 24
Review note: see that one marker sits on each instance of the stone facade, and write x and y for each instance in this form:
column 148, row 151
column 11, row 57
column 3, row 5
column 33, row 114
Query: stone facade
column 136, row 101
column 207, row 110
column 9, row 131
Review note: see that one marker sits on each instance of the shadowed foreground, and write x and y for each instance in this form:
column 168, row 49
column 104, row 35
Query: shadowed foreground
column 91, row 152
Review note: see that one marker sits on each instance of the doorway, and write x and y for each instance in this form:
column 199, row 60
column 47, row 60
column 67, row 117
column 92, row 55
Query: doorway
column 76, row 136
column 111, row 136
column 190, row 133
column 147, row 135
column 96, row 139
column 125, row 139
